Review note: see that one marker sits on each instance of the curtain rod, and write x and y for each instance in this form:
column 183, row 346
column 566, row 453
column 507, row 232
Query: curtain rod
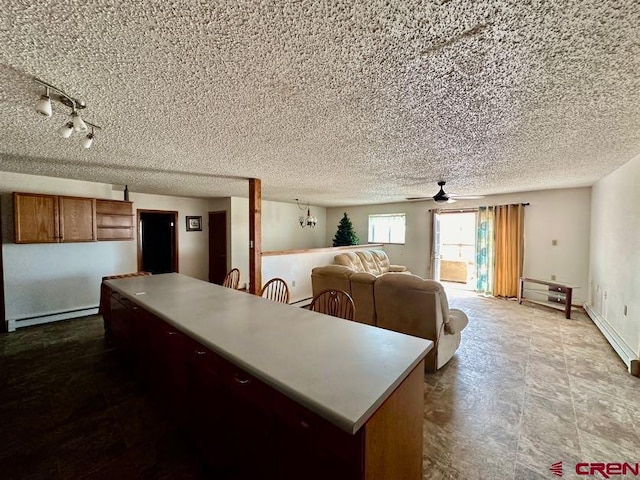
column 470, row 209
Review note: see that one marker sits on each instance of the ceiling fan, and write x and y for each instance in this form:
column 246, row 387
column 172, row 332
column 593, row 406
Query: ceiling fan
column 443, row 197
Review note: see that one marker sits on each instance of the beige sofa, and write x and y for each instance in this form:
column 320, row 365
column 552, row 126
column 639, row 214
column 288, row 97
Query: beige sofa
column 403, row 303
column 355, row 273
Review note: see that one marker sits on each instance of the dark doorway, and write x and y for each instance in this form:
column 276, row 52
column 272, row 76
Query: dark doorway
column 217, row 246
column 3, row 320
column 157, row 241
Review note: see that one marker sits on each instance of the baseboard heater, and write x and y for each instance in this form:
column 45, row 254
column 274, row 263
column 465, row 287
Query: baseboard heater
column 305, row 302
column 624, row 351
column 15, row 323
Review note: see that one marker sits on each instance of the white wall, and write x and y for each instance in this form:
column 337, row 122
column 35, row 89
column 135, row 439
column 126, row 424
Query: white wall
column 44, row 279
column 280, row 231
column 614, row 275
column 295, row 268
column 562, row 215
column 193, row 247
column 51, row 278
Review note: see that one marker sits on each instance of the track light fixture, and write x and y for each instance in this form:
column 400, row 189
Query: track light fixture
column 75, row 122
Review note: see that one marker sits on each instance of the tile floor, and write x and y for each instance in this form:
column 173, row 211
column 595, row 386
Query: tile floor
column 527, row 388
column 70, row 409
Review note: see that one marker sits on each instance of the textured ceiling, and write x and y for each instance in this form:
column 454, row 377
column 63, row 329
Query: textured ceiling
column 326, row 101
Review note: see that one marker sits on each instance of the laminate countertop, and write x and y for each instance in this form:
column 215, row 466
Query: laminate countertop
column 339, row 369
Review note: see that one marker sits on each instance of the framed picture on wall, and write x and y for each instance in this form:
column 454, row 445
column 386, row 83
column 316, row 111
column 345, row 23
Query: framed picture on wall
column 194, row 224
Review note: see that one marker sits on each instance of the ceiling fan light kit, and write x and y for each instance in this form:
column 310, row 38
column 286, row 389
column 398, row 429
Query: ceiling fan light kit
column 75, row 122
column 442, row 197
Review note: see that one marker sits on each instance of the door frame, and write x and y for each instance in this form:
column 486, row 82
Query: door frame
column 175, row 235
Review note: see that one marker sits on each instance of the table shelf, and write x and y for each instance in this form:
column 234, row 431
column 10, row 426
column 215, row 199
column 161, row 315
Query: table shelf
column 558, row 295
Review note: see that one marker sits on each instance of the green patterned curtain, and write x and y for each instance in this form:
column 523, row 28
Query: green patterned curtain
column 485, row 251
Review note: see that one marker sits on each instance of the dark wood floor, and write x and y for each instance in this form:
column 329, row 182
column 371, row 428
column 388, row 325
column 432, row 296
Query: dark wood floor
column 70, row 409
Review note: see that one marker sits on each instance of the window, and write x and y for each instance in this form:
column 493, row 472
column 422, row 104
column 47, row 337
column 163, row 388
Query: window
column 387, row 228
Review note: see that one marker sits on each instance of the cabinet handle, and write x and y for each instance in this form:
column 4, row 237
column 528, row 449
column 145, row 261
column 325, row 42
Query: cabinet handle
column 241, row 381
column 172, row 333
column 200, row 352
column 304, row 423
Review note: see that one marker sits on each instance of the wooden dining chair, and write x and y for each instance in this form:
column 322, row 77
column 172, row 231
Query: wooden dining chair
column 277, row 290
column 232, row 279
column 336, row 303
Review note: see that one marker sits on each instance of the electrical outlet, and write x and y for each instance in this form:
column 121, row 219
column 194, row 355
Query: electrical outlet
column 293, row 283
column 554, row 243
column 553, row 277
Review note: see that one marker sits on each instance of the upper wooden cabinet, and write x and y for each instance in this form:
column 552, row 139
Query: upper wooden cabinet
column 53, row 219
column 115, row 220
column 36, row 218
column 77, row 219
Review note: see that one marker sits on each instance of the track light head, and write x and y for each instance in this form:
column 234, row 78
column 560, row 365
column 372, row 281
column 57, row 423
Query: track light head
column 66, row 130
column 78, row 123
column 87, row 141
column 43, row 106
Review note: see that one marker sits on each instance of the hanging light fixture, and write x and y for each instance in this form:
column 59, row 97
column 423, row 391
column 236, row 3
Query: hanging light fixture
column 75, row 122
column 309, row 220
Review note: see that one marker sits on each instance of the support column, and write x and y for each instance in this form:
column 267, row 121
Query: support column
column 255, row 236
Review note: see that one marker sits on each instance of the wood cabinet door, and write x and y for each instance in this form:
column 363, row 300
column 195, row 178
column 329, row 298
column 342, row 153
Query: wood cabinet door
column 36, row 218
column 77, row 219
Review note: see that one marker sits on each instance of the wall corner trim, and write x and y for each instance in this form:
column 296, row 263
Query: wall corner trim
column 622, row 348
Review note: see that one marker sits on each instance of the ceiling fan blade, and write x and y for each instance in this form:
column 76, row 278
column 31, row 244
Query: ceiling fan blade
column 466, row 197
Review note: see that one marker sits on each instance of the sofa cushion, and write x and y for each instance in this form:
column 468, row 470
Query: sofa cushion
column 350, row 260
column 369, row 262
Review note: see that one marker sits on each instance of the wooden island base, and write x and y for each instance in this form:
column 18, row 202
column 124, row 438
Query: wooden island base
column 245, row 428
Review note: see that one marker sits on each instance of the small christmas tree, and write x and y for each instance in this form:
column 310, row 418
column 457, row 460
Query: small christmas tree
column 345, row 235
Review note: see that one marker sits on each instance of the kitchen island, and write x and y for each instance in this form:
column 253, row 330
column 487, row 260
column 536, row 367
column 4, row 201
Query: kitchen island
column 270, row 390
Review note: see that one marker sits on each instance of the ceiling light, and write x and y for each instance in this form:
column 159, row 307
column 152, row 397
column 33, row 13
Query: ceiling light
column 309, row 220
column 66, row 130
column 75, row 123
column 43, row 106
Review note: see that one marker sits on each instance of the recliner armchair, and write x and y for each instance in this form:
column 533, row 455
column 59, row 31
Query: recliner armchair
column 408, row 304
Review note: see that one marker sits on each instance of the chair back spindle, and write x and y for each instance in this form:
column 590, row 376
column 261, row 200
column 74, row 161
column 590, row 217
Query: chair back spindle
column 277, row 290
column 336, row 303
column 232, row 279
